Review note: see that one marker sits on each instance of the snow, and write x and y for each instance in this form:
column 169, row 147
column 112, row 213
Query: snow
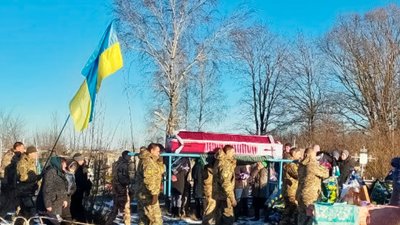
column 187, row 221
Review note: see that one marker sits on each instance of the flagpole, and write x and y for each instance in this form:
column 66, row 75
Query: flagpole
column 58, row 138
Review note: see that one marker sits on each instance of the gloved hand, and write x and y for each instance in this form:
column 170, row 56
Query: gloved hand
column 154, row 199
column 233, row 201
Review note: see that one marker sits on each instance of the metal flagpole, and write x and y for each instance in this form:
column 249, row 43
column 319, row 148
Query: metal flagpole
column 55, row 144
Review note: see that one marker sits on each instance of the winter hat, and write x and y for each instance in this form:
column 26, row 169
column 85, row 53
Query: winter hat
column 125, row 153
column 78, row 157
column 31, row 149
column 346, row 153
column 396, row 162
column 335, row 154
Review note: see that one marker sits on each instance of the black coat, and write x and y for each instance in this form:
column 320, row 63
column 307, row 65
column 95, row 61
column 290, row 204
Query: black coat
column 197, row 175
column 395, row 199
column 10, row 172
column 181, row 171
column 346, row 167
column 83, row 184
column 53, row 191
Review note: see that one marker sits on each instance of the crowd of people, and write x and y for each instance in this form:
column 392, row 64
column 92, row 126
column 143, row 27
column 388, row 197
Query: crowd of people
column 220, row 187
column 56, row 192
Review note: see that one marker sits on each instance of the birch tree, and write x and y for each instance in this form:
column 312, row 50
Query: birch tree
column 172, row 35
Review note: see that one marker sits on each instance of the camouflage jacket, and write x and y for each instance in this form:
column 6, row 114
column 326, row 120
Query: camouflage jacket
column 224, row 177
column 26, row 169
column 5, row 161
column 310, row 179
column 149, row 174
column 27, row 176
column 208, row 181
column 290, row 181
column 260, row 178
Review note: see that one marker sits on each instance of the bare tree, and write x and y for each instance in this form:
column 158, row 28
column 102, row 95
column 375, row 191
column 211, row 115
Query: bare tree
column 172, row 35
column 365, row 55
column 208, row 99
column 11, row 128
column 306, row 93
column 260, row 58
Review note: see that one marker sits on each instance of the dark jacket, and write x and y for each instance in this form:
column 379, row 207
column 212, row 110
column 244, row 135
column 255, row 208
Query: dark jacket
column 53, row 191
column 10, row 172
column 346, row 167
column 181, row 171
column 83, row 184
column 395, row 199
column 121, row 178
column 197, row 175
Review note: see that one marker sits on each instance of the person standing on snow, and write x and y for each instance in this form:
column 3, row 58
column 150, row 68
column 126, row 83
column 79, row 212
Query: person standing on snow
column 83, row 186
column 310, row 175
column 120, row 183
column 53, row 194
column 346, row 166
column 224, row 185
column 8, row 198
column 149, row 177
column 27, row 182
column 259, row 175
column 290, row 184
column 209, row 201
column 395, row 199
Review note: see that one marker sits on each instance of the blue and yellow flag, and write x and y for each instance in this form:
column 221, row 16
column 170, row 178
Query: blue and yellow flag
column 105, row 61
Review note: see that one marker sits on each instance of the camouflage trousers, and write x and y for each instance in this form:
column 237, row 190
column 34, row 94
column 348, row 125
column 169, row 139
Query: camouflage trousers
column 289, row 216
column 224, row 214
column 303, row 218
column 149, row 214
column 209, row 210
column 119, row 202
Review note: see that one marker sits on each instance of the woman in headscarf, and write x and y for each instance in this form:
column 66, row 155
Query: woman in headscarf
column 53, row 194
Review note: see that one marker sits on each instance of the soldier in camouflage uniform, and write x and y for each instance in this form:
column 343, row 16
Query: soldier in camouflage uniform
column 120, row 182
column 290, row 184
column 310, row 178
column 8, row 198
column 209, row 202
column 27, row 182
column 224, row 185
column 259, row 176
column 149, row 177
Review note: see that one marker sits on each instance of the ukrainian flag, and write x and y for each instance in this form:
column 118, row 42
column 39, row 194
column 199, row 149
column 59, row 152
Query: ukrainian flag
column 105, row 61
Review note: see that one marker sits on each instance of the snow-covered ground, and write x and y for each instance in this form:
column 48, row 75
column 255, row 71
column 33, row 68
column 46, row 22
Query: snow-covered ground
column 187, row 221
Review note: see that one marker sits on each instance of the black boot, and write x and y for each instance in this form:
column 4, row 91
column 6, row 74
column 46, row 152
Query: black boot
column 179, row 212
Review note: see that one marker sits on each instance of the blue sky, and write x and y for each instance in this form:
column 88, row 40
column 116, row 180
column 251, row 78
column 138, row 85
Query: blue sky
column 45, row 44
